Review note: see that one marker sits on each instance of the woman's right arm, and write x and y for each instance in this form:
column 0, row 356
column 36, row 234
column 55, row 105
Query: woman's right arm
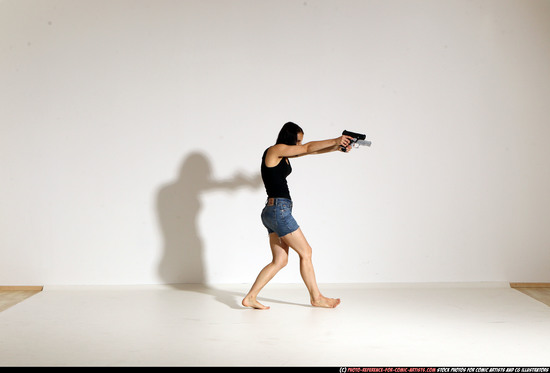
column 290, row 151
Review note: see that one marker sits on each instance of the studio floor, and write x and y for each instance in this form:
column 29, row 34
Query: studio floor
column 196, row 325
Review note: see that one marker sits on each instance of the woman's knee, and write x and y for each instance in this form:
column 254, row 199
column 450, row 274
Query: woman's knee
column 306, row 253
column 281, row 261
column 299, row 243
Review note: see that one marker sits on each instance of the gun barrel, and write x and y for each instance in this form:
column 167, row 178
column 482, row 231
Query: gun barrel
column 364, row 142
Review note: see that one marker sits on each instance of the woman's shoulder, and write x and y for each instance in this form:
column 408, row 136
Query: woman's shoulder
column 271, row 157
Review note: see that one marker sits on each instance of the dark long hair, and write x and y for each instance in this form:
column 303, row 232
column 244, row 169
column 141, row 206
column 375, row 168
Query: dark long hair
column 289, row 134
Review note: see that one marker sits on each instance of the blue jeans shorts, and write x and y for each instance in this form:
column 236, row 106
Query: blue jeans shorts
column 277, row 218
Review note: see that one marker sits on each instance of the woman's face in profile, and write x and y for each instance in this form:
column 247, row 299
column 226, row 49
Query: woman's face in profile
column 299, row 138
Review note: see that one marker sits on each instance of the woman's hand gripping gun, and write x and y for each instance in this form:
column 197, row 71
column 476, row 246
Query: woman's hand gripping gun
column 358, row 140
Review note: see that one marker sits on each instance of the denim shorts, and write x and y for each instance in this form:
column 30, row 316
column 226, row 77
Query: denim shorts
column 278, row 217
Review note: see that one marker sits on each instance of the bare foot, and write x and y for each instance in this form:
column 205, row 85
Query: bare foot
column 325, row 302
column 253, row 302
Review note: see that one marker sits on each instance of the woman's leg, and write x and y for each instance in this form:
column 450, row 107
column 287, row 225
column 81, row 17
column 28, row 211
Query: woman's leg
column 298, row 242
column 279, row 249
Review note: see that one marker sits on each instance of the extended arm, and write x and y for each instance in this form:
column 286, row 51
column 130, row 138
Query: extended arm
column 313, row 147
column 327, row 150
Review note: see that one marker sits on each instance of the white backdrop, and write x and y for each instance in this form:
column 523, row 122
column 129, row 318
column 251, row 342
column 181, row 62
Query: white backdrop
column 132, row 131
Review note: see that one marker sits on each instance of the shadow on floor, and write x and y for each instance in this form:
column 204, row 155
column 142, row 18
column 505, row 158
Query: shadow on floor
column 231, row 299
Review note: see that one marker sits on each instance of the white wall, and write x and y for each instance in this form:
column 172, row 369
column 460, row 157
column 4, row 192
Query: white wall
column 131, row 136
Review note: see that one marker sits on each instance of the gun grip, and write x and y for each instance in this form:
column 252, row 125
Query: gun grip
column 344, row 148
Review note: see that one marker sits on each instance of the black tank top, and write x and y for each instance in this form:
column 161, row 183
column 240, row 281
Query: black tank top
column 274, row 178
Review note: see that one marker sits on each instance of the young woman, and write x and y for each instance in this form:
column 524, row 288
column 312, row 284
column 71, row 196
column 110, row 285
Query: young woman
column 283, row 230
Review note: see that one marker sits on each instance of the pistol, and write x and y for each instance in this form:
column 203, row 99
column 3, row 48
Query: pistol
column 358, row 140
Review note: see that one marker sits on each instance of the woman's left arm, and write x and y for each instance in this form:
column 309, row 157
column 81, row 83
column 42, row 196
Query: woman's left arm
column 332, row 149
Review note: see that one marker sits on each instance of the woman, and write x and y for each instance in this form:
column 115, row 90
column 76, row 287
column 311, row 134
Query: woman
column 283, row 230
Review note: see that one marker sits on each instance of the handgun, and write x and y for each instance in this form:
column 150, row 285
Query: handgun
column 358, row 140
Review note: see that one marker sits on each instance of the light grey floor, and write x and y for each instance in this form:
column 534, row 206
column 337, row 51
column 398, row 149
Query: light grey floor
column 376, row 325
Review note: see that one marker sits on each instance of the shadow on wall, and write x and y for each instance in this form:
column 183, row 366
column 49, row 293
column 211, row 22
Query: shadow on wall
column 178, row 208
